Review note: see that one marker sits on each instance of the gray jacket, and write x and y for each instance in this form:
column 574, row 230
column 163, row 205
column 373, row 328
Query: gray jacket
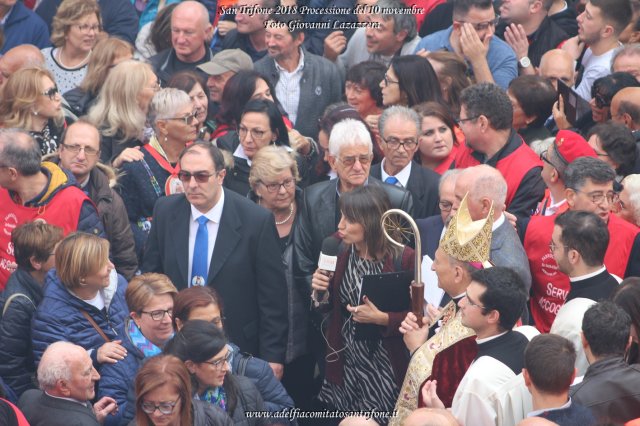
column 320, row 86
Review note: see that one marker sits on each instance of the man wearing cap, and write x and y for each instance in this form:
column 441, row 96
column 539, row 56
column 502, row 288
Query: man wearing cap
column 589, row 187
column 566, row 147
column 221, row 68
column 190, row 30
column 453, row 344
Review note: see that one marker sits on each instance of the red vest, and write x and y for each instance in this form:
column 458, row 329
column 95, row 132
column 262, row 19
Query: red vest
column 62, row 210
column 513, row 167
column 549, row 286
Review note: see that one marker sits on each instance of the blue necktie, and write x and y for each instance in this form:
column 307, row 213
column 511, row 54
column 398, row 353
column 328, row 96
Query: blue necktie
column 392, row 180
column 200, row 262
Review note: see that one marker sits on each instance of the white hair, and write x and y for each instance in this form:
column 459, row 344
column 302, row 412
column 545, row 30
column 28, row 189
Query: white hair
column 449, row 175
column 55, row 364
column 631, row 184
column 349, row 132
column 166, row 104
column 488, row 182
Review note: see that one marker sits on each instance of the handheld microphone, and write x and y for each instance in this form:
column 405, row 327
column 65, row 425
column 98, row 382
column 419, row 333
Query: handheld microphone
column 327, row 261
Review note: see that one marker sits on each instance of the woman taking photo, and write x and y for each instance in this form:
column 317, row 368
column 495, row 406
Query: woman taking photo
column 203, row 303
column 437, row 144
column 196, row 87
column 203, row 348
column 156, row 174
column 83, row 301
column 31, row 101
column 108, row 53
column 120, row 112
column 144, row 332
column 362, row 374
column 163, row 397
column 74, row 32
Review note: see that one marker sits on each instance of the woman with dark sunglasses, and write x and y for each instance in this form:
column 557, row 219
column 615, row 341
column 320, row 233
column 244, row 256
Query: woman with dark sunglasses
column 175, row 124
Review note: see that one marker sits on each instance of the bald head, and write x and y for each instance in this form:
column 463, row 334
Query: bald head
column 20, row 151
column 192, row 8
column 485, row 185
column 430, row 417
column 23, row 56
column 56, row 363
column 625, row 107
column 557, row 64
column 190, row 31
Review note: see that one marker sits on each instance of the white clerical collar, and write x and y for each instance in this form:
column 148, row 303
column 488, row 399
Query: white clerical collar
column 490, row 338
column 402, row 175
column 498, row 222
column 537, row 413
column 214, row 214
column 587, row 276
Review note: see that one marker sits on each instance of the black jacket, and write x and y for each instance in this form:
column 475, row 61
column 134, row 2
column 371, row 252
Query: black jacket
column 547, row 37
column 80, row 101
column 611, row 389
column 320, row 219
column 165, row 64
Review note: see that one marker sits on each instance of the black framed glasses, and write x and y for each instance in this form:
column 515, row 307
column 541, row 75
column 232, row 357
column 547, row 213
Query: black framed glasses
column 275, row 187
column 395, row 143
column 598, row 197
column 75, row 149
column 159, row 314
column 200, row 177
column 255, row 133
column 388, row 81
column 165, row 408
column 51, row 93
column 187, row 119
column 543, row 157
column 459, row 121
column 219, row 363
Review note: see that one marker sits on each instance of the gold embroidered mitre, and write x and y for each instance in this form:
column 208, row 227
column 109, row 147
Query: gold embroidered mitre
column 467, row 240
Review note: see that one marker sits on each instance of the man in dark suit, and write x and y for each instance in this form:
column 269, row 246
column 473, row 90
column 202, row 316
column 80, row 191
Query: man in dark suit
column 399, row 129
column 67, row 379
column 211, row 236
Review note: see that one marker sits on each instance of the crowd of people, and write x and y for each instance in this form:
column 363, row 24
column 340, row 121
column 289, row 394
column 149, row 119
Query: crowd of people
column 172, row 170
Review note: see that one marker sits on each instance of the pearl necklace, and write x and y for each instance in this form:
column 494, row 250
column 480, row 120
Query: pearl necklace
column 288, row 218
column 80, row 64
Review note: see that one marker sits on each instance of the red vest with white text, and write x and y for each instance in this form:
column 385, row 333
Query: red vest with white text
column 513, row 167
column 62, row 210
column 549, row 286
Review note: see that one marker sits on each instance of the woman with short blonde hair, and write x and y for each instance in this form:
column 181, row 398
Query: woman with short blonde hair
column 107, row 53
column 74, row 32
column 31, row 100
column 121, row 109
column 83, row 301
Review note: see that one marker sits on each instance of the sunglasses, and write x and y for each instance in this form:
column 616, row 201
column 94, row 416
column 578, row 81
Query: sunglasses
column 200, row 177
column 51, row 93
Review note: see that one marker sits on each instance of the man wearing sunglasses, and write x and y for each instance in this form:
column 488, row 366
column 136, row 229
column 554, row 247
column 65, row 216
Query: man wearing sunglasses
column 212, row 236
column 471, row 36
column 589, row 187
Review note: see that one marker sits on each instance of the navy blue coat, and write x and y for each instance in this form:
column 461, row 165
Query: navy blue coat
column 23, row 26
column 58, row 317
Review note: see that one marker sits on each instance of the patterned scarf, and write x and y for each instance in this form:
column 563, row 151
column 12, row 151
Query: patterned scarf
column 147, row 348
column 216, row 396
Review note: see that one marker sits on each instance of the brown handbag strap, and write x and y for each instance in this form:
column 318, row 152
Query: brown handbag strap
column 93, row 323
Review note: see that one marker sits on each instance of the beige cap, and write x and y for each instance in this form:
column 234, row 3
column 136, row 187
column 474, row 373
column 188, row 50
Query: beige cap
column 227, row 60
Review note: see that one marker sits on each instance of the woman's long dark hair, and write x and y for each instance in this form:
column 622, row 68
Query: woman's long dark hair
column 275, row 118
column 237, row 92
column 366, row 205
column 417, row 79
column 199, row 341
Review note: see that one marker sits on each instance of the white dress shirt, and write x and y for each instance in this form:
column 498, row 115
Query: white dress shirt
column 402, row 175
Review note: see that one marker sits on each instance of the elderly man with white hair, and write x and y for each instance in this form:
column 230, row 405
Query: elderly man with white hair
column 628, row 205
column 67, row 381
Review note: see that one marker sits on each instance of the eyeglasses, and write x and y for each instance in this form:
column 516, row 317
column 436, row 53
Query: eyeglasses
column 159, row 314
column 164, row 407
column 445, row 206
column 255, row 133
column 275, row 187
column 388, row 81
column 75, row 149
column 219, row 363
column 200, row 177
column 187, row 119
column 482, row 26
column 553, row 246
column 472, row 303
column 395, row 143
column 543, row 157
column 51, row 93
column 86, row 28
column 598, row 197
column 459, row 121
column 350, row 161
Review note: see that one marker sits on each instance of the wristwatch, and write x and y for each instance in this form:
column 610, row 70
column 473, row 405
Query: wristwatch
column 525, row 62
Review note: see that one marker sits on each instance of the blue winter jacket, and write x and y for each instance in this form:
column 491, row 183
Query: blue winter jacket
column 58, row 316
column 23, row 26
